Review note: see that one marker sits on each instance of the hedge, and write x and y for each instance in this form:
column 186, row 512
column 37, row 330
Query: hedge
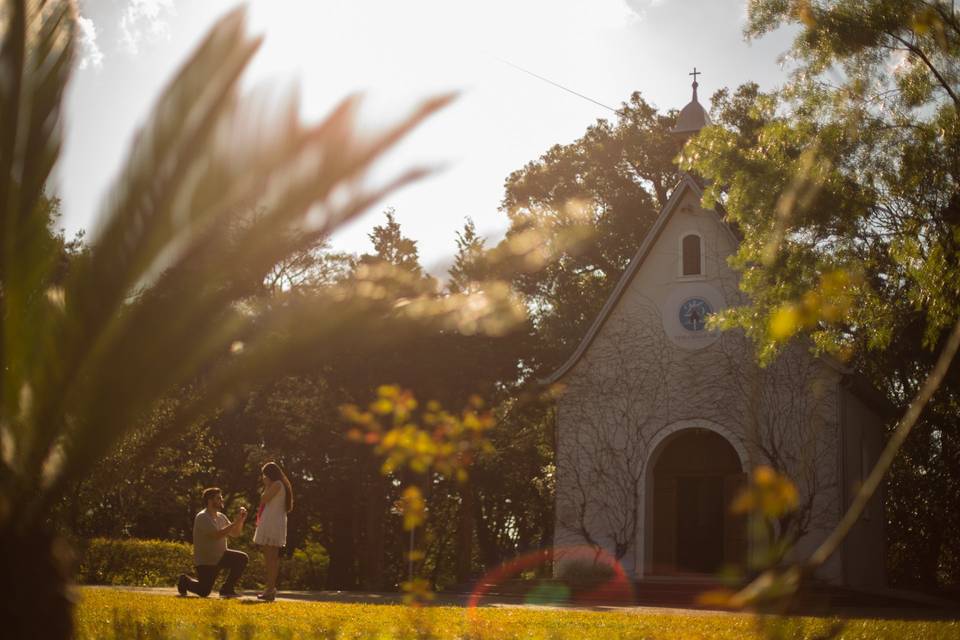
column 157, row 563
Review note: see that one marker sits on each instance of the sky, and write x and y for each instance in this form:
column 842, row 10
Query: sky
column 397, row 53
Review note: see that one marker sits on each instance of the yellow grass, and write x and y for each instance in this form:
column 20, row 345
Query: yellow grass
column 103, row 614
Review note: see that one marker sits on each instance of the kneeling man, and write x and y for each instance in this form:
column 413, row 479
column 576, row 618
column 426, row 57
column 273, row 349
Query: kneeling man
column 211, row 528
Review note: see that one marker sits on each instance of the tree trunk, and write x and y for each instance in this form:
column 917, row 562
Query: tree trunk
column 342, row 571
column 486, row 539
column 374, row 510
column 36, row 599
column 464, row 554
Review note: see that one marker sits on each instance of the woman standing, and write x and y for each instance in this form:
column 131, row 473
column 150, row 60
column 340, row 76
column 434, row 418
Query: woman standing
column 276, row 502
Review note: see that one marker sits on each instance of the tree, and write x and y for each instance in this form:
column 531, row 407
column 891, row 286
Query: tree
column 392, row 247
column 861, row 177
column 469, row 267
column 590, row 203
column 512, row 488
column 845, row 187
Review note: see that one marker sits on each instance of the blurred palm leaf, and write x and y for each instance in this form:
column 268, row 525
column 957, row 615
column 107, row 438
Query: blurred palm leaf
column 163, row 298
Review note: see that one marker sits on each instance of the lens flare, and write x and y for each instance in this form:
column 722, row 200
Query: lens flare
column 603, row 581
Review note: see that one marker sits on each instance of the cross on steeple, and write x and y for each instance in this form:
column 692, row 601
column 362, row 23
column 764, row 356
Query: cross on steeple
column 695, row 83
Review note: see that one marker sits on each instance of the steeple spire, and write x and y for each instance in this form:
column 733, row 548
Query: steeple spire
column 693, row 117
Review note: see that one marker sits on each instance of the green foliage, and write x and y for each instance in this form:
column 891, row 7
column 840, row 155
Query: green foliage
column 858, row 178
column 427, row 446
column 307, row 567
column 392, row 247
column 157, row 563
column 469, row 266
column 109, row 615
column 133, row 562
column 585, row 575
column 514, row 484
column 844, row 186
column 592, row 201
column 430, row 440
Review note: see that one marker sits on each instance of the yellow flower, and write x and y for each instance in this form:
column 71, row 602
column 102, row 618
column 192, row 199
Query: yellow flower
column 388, row 391
column 382, row 407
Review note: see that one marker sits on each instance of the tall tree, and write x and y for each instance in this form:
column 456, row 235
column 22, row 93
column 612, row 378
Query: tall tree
column 392, row 247
column 469, row 267
column 845, row 187
column 590, row 203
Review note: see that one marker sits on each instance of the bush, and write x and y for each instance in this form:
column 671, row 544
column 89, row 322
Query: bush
column 157, row 563
column 308, row 567
column 584, row 575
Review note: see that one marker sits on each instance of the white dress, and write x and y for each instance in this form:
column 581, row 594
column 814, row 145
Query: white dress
column 272, row 528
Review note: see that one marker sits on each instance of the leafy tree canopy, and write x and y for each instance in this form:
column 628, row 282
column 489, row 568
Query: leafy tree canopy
column 844, row 187
column 845, row 183
column 392, row 247
column 592, row 201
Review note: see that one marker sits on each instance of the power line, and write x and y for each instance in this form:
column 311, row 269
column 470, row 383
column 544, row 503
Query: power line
column 559, row 86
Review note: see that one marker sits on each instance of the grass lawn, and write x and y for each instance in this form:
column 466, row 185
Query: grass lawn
column 103, row 614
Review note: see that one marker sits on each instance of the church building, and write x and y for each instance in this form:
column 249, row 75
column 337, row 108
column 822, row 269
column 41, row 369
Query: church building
column 661, row 420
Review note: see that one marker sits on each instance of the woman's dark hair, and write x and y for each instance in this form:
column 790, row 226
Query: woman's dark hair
column 272, row 470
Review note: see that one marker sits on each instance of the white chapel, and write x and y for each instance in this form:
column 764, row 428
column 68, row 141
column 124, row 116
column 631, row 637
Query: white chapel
column 661, row 419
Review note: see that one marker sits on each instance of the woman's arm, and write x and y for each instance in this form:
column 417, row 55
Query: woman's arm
column 271, row 491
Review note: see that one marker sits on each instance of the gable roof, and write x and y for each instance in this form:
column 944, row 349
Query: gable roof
column 687, row 183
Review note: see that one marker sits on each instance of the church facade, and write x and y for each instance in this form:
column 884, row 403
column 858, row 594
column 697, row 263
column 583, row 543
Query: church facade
column 661, row 420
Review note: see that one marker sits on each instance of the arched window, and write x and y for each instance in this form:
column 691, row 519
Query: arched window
column 691, row 262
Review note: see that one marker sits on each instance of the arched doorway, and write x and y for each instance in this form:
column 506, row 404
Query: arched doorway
column 695, row 476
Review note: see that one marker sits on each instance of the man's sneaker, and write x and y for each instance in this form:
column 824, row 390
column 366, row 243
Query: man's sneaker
column 229, row 594
column 182, row 584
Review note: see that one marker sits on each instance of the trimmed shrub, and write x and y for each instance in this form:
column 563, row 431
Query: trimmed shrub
column 585, row 576
column 132, row 562
column 157, row 563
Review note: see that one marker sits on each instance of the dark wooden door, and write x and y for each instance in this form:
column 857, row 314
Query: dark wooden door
column 700, row 530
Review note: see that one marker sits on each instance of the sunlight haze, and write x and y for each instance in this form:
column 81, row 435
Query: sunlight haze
column 398, row 53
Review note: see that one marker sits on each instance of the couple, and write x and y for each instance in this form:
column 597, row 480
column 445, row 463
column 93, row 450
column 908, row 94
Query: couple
column 211, row 528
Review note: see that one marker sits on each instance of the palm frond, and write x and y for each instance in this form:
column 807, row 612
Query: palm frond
column 164, row 292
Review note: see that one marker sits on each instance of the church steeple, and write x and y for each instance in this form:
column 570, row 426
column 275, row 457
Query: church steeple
column 693, row 117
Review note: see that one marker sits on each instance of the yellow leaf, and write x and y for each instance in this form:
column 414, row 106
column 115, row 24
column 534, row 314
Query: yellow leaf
column 350, row 412
column 784, row 323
